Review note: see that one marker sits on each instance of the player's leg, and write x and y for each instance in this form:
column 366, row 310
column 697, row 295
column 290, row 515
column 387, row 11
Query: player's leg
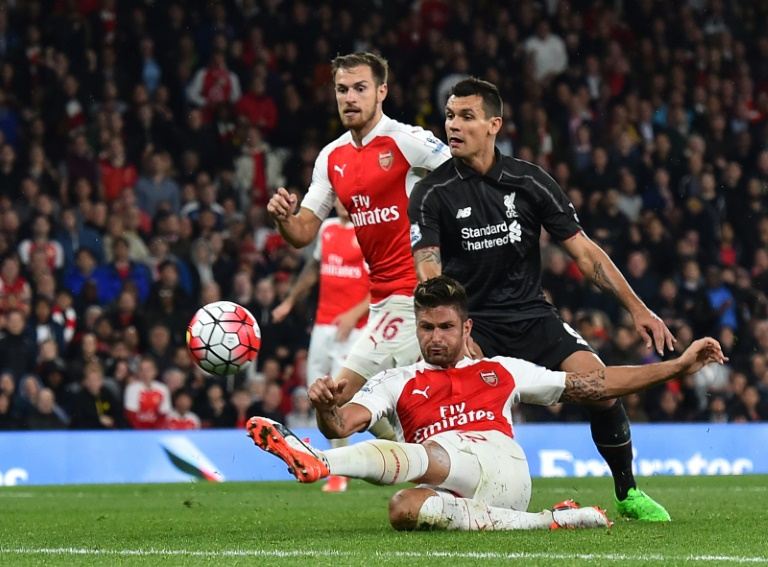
column 485, row 486
column 379, row 461
column 612, row 436
column 426, row 508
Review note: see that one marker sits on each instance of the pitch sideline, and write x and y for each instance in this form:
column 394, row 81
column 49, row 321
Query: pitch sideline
column 277, row 553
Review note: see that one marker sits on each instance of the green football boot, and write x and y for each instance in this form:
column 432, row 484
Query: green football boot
column 639, row 506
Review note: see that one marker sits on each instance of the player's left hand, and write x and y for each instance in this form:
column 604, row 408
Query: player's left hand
column 653, row 331
column 700, row 353
column 344, row 325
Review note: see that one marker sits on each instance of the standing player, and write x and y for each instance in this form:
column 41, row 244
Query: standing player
column 454, row 419
column 478, row 218
column 371, row 169
column 342, row 305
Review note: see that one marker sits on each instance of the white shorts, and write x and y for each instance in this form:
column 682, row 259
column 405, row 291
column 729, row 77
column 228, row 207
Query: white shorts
column 505, row 481
column 327, row 355
column 388, row 340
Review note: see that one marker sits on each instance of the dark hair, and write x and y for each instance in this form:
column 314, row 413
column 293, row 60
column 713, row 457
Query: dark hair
column 379, row 66
column 441, row 291
column 492, row 105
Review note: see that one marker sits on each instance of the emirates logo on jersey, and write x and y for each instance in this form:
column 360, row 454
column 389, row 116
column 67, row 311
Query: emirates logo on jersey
column 386, row 159
column 489, row 377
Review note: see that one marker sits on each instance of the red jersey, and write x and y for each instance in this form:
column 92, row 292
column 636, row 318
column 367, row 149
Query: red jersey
column 476, row 395
column 186, row 421
column 343, row 273
column 374, row 181
column 147, row 407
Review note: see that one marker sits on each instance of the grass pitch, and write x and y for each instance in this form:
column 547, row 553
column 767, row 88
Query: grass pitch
column 716, row 521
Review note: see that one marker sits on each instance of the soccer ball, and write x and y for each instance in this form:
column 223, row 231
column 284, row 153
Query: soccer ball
column 223, row 338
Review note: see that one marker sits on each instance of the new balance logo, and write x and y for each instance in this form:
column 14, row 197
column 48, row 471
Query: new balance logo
column 340, row 169
column 464, row 213
column 423, row 392
column 515, row 232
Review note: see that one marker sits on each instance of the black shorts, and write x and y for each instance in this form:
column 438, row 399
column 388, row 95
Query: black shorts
column 546, row 340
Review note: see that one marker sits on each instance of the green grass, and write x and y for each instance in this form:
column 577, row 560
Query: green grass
column 717, row 520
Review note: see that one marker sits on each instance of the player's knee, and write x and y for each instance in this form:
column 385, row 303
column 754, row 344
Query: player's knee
column 404, row 508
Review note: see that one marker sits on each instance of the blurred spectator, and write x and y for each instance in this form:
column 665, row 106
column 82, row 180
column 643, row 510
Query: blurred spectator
column 95, row 405
column 8, row 420
column 18, row 349
column 115, row 172
column 301, row 415
column 147, row 401
column 218, row 412
column 258, row 107
column 15, row 291
column 214, row 85
column 156, row 190
column 122, row 272
column 41, row 240
column 182, row 416
column 45, row 414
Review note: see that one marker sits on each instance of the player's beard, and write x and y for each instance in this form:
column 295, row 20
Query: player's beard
column 443, row 356
column 360, row 120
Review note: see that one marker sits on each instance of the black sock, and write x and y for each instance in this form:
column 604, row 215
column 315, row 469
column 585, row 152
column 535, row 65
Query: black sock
column 610, row 432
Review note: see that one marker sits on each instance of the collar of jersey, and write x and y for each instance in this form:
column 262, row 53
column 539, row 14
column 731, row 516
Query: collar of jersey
column 375, row 132
column 466, row 361
column 465, row 171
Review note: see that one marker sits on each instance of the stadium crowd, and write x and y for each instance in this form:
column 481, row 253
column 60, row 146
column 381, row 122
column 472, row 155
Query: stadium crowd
column 140, row 142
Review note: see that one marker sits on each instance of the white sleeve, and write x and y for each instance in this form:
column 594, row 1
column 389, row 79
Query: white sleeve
column 534, row 384
column 131, row 401
column 377, row 395
column 320, row 195
column 317, row 251
column 165, row 404
column 195, row 89
column 421, row 147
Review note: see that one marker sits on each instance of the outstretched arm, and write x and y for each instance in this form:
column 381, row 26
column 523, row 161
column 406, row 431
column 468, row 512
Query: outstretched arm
column 616, row 381
column 347, row 321
column 596, row 265
column 307, row 278
column 427, row 262
column 333, row 421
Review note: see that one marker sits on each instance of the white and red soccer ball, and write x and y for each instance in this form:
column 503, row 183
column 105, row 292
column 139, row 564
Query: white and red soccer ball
column 223, row 338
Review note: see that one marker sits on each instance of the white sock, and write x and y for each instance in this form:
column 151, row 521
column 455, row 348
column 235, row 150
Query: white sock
column 379, row 461
column 447, row 512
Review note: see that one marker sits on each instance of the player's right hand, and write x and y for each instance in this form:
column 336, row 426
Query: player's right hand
column 324, row 393
column 282, row 205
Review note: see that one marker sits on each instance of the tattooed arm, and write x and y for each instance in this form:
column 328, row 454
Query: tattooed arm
column 427, row 262
column 616, row 381
column 334, row 421
column 598, row 267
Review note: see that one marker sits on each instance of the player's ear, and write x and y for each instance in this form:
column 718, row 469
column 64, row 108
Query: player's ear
column 467, row 327
column 382, row 91
column 494, row 126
